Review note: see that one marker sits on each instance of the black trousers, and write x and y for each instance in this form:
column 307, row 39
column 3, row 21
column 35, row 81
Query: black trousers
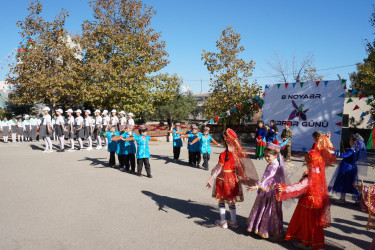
column 112, row 159
column 190, row 157
column 206, row 158
column 121, row 160
column 146, row 162
column 130, row 162
column 176, row 152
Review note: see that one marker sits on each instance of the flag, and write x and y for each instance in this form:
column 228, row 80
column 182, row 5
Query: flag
column 294, row 84
column 267, row 87
column 325, row 83
column 200, row 126
column 239, row 106
column 244, row 104
column 223, row 115
column 354, row 91
column 339, row 124
column 301, row 83
column 356, row 107
column 211, row 121
column 217, row 118
column 343, row 82
column 256, row 107
column 342, row 95
column 349, row 100
column 250, row 100
column 256, row 97
column 371, row 140
column 278, row 85
column 361, row 96
column 338, row 132
column 339, row 114
column 317, row 83
column 261, row 101
column 345, row 87
column 369, row 101
column 363, row 114
column 228, row 112
column 286, row 85
column 234, row 110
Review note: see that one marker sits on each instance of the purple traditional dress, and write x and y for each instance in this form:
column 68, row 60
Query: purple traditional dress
column 266, row 216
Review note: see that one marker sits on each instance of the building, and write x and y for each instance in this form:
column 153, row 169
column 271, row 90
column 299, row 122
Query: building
column 5, row 90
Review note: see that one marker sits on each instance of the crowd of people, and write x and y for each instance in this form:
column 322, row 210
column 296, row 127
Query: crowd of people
column 234, row 169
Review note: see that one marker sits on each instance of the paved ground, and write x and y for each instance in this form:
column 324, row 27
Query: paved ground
column 73, row 201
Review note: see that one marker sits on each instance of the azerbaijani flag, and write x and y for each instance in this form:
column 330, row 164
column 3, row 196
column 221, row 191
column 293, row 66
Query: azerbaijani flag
column 371, row 140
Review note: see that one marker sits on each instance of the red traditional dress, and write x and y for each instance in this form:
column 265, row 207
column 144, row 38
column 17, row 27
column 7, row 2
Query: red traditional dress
column 312, row 212
column 227, row 187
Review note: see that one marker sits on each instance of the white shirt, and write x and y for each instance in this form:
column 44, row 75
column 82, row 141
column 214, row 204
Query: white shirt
column 123, row 121
column 59, row 120
column 88, row 121
column 79, row 120
column 47, row 118
column 98, row 120
column 34, row 121
column 26, row 123
column 70, row 120
column 53, row 121
column 39, row 121
column 106, row 120
column 131, row 122
column 114, row 120
column 12, row 123
column 20, row 124
column 4, row 124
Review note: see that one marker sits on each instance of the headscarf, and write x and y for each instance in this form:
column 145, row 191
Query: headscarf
column 245, row 167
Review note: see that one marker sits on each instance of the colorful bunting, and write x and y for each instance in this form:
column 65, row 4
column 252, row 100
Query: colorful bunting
column 217, row 118
column 349, row 100
column 267, row 87
column 256, row 97
column 370, row 121
column 212, row 121
column 345, row 87
column 369, row 101
column 301, row 83
column 343, row 81
column 278, row 85
column 339, row 114
column 338, row 132
column 325, row 83
column 261, row 101
column 294, row 84
column 256, row 108
column 356, row 107
column 223, row 115
column 239, row 106
column 228, row 112
column 342, row 95
column 361, row 96
column 244, row 104
column 354, row 91
column 250, row 100
column 317, row 83
column 363, row 114
column 200, row 126
column 339, row 124
column 234, row 110
column 286, row 85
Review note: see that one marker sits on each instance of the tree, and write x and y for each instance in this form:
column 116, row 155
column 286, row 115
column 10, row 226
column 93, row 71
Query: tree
column 47, row 66
column 303, row 71
column 230, row 76
column 178, row 109
column 122, row 56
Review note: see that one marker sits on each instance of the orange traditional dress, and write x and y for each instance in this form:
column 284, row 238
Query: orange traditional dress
column 227, row 187
column 312, row 212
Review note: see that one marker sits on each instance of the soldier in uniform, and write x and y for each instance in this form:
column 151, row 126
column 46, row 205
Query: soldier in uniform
column 287, row 133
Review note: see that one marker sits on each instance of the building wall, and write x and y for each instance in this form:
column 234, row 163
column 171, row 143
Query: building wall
column 352, row 118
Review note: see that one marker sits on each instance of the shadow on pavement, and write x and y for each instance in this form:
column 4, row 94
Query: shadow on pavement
column 205, row 215
column 97, row 162
column 36, row 147
column 168, row 160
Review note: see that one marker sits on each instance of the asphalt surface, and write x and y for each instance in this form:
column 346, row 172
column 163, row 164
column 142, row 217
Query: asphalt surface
column 72, row 200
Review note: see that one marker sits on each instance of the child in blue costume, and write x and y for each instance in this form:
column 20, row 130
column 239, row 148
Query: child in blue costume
column 112, row 146
column 195, row 154
column 143, row 152
column 177, row 142
column 121, row 148
column 130, row 149
column 260, row 137
column 205, row 147
column 354, row 161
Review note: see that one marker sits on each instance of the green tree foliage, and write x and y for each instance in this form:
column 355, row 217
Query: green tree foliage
column 230, row 79
column 178, row 109
column 122, row 55
column 47, row 66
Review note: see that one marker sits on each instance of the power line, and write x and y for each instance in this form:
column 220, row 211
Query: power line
column 259, row 77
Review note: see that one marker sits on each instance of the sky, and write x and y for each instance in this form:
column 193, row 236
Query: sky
column 334, row 31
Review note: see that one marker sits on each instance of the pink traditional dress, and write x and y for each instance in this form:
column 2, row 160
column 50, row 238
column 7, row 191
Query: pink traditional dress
column 368, row 206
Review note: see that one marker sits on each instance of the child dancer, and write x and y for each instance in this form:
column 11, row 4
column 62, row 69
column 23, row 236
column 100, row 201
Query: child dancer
column 312, row 213
column 114, row 119
column 79, row 131
column 275, row 131
column 260, row 140
column 194, row 150
column 33, row 127
column 105, row 127
column 53, row 127
column 5, row 129
column 120, row 151
column 266, row 216
column 60, row 128
column 130, row 149
column 20, row 129
column 143, row 152
column 88, row 129
column 122, row 118
column 13, row 128
column 112, row 146
column 98, row 129
column 70, row 129
column 26, row 125
column 45, row 131
column 177, row 142
column 130, row 119
column 354, row 161
column 205, row 147
column 234, row 165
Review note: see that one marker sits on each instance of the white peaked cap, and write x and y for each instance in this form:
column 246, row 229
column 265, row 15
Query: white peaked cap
column 122, row 112
column 105, row 111
column 88, row 111
column 113, row 111
column 69, row 111
column 78, row 111
column 46, row 108
column 97, row 111
column 60, row 110
column 130, row 114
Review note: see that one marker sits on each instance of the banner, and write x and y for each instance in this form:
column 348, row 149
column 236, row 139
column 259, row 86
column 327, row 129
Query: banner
column 308, row 106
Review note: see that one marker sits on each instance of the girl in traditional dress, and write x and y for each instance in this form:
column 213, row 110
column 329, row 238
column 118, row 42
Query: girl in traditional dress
column 89, row 129
column 5, row 129
column 260, row 137
column 26, row 125
column 266, row 216
column 70, row 129
column 275, row 131
column 60, row 128
column 234, row 166
column 79, row 131
column 13, row 128
column 354, row 161
column 143, row 151
column 45, row 131
column 98, row 129
column 312, row 213
column 20, row 130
